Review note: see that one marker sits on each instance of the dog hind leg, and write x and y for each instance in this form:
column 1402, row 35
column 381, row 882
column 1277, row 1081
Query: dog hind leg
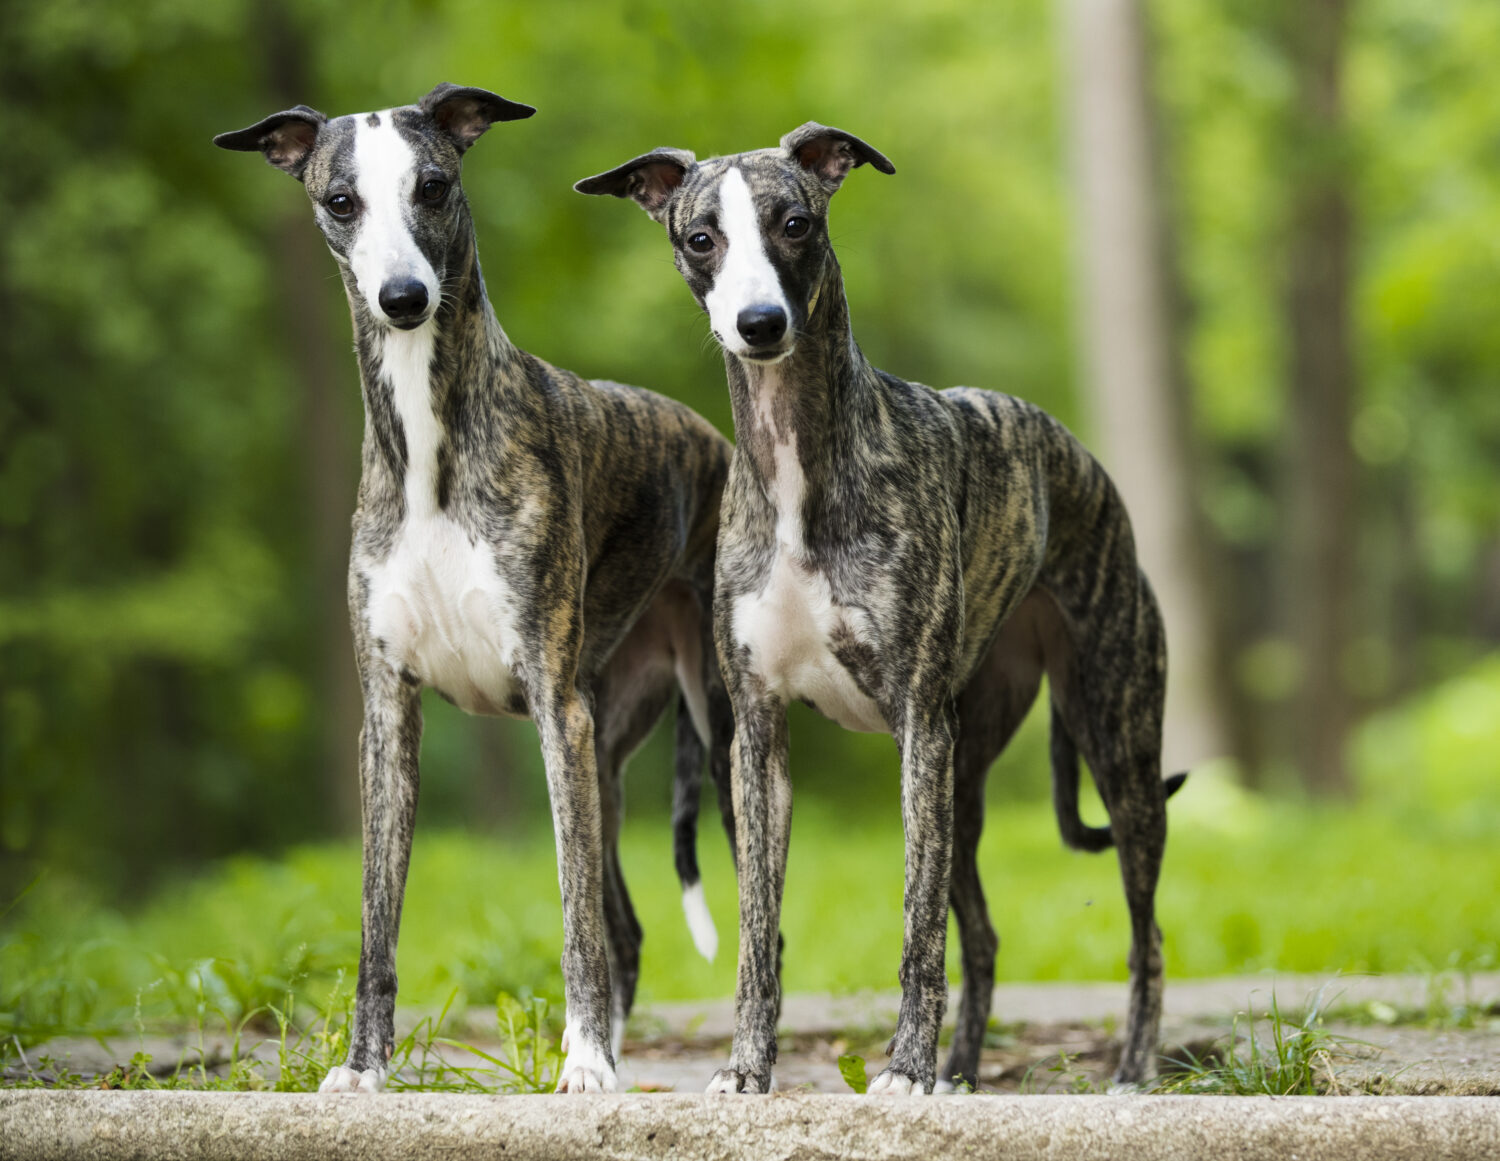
column 990, row 711
column 628, row 704
column 622, row 928
column 1113, row 706
column 1138, row 817
column 976, row 936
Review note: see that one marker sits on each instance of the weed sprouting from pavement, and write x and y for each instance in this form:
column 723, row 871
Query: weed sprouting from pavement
column 530, row 1062
column 1293, row 1057
column 1065, row 1077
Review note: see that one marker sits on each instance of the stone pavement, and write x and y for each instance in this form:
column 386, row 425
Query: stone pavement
column 39, row 1125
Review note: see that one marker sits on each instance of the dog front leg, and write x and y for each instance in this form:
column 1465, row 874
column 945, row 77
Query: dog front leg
column 762, row 792
column 388, row 745
column 927, row 817
column 567, row 729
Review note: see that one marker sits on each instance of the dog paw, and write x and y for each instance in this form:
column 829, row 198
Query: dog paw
column 730, row 1080
column 341, row 1079
column 585, row 1068
column 576, row 1079
column 943, row 1088
column 1124, row 1088
column 893, row 1083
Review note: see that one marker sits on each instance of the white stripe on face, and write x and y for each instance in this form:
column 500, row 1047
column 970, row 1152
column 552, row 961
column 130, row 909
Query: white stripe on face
column 385, row 173
column 746, row 278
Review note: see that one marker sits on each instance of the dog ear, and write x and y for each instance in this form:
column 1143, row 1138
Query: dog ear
column 285, row 138
column 831, row 153
column 464, row 114
column 651, row 179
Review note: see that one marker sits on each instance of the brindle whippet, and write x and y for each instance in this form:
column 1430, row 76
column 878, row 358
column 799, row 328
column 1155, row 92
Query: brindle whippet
column 526, row 542
column 907, row 561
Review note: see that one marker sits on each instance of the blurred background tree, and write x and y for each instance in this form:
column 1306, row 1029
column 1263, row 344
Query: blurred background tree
column 180, row 416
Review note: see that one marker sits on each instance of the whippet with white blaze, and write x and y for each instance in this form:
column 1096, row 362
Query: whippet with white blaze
column 912, row 562
column 526, row 542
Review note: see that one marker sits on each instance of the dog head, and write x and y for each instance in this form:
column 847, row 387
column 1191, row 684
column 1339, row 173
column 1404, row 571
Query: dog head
column 750, row 231
column 385, row 188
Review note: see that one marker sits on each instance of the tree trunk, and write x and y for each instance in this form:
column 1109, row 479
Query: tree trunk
column 1486, row 619
column 322, row 373
column 1321, row 469
column 1134, row 379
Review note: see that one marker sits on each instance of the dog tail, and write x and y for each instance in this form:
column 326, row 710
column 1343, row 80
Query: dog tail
column 1075, row 832
column 686, row 787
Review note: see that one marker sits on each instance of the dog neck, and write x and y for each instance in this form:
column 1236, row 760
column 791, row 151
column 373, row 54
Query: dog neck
column 427, row 390
column 794, row 420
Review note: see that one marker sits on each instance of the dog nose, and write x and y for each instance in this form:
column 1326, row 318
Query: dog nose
column 760, row 326
column 403, row 301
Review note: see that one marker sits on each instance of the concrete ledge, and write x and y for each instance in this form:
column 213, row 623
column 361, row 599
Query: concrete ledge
column 89, row 1125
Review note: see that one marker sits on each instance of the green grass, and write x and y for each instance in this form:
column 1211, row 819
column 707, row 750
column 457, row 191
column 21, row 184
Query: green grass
column 1247, row 885
column 528, row 1060
column 1293, row 1056
column 1275, row 1053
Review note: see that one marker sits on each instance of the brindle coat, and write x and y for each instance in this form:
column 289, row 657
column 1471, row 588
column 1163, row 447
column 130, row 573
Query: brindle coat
column 525, row 541
column 912, row 561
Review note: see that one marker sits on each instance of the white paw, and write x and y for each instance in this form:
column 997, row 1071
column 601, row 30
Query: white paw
column 1128, row 1088
column 341, row 1079
column 943, row 1088
column 890, row 1083
column 729, row 1081
column 585, row 1068
column 576, row 1079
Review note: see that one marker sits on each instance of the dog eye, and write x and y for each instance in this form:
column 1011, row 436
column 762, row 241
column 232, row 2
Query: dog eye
column 340, row 205
column 433, row 190
column 795, row 227
column 700, row 243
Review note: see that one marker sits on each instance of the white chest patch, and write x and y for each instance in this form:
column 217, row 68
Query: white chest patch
column 437, row 603
column 791, row 624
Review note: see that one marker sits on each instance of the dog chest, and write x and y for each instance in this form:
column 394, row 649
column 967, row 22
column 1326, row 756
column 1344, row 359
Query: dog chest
column 438, row 605
column 792, row 627
column 439, row 608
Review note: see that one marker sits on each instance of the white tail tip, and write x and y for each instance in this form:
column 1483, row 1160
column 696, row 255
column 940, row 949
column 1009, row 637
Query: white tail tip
column 700, row 922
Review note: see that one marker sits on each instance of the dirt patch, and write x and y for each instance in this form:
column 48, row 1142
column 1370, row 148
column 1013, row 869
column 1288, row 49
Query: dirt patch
column 1077, row 1058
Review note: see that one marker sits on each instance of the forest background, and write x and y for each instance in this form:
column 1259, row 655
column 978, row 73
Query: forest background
column 1248, row 251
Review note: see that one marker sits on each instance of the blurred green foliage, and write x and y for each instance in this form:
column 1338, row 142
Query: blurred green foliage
column 1423, row 103
column 159, row 634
